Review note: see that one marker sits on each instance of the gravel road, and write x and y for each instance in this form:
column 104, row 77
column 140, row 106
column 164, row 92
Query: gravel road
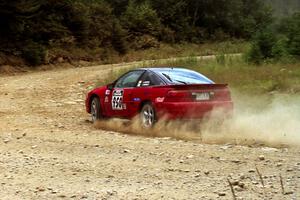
column 50, row 150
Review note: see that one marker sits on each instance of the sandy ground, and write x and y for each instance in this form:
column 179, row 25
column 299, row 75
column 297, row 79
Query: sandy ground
column 50, row 150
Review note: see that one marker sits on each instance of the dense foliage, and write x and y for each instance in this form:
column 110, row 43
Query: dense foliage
column 283, row 8
column 29, row 28
column 279, row 41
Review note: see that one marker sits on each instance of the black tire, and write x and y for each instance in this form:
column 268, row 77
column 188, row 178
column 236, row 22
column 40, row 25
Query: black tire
column 96, row 109
column 147, row 116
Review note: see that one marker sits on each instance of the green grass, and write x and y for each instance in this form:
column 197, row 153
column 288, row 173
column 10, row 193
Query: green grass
column 249, row 78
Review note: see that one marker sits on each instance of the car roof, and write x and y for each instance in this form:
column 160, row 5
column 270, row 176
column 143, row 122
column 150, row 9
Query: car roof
column 160, row 70
column 167, row 69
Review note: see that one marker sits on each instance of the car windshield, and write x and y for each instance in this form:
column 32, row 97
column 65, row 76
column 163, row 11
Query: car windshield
column 184, row 76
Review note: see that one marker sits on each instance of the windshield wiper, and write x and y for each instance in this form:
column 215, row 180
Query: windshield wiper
column 185, row 83
column 168, row 77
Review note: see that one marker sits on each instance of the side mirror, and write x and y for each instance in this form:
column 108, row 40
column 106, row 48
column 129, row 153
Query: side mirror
column 110, row 86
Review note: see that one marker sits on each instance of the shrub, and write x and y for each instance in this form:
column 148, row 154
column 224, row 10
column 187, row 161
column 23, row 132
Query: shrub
column 290, row 27
column 262, row 46
column 167, row 35
column 34, row 54
column 145, row 42
column 118, row 38
column 141, row 19
column 280, row 43
column 254, row 55
column 280, row 48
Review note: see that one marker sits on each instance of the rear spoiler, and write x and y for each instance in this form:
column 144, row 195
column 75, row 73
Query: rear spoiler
column 195, row 86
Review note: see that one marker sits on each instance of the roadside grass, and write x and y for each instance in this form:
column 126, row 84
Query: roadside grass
column 187, row 50
column 248, row 78
column 108, row 56
column 245, row 78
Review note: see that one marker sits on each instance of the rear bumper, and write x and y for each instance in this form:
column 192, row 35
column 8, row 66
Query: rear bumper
column 191, row 110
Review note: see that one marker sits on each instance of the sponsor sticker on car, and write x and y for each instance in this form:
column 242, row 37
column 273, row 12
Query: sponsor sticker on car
column 107, row 92
column 160, row 99
column 117, row 100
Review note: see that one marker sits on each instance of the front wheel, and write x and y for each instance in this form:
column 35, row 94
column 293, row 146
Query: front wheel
column 147, row 116
column 96, row 109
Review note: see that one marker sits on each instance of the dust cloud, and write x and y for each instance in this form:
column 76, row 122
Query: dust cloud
column 272, row 123
column 267, row 121
column 174, row 129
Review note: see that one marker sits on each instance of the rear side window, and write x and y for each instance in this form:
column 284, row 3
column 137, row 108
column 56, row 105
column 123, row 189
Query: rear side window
column 129, row 80
column 150, row 79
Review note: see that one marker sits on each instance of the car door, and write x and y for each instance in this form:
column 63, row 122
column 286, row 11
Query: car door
column 142, row 92
column 122, row 93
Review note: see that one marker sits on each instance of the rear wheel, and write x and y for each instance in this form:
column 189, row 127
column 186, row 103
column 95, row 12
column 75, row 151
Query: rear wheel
column 96, row 109
column 147, row 116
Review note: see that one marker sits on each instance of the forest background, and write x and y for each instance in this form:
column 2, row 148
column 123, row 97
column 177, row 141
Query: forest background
column 36, row 32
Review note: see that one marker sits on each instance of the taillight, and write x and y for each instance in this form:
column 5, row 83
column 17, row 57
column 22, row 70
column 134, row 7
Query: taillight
column 222, row 95
column 197, row 95
column 177, row 95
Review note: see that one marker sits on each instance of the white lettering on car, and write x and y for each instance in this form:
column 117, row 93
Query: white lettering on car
column 160, row 99
column 146, row 83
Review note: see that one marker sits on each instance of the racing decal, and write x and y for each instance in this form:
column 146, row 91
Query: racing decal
column 160, row 99
column 146, row 83
column 107, row 92
column 139, row 84
column 136, row 99
column 106, row 100
column 117, row 100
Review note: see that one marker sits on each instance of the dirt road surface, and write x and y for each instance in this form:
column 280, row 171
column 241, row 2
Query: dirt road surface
column 50, row 150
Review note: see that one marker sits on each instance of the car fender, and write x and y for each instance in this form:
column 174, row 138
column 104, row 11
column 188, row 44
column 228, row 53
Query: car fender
column 98, row 92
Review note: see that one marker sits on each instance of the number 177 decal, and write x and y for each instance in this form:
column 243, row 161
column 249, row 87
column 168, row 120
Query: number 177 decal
column 117, row 100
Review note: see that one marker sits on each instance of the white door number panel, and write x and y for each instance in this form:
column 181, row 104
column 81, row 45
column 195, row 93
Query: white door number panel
column 117, row 100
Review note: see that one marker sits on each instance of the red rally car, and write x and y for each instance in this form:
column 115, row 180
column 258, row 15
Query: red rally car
column 158, row 93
